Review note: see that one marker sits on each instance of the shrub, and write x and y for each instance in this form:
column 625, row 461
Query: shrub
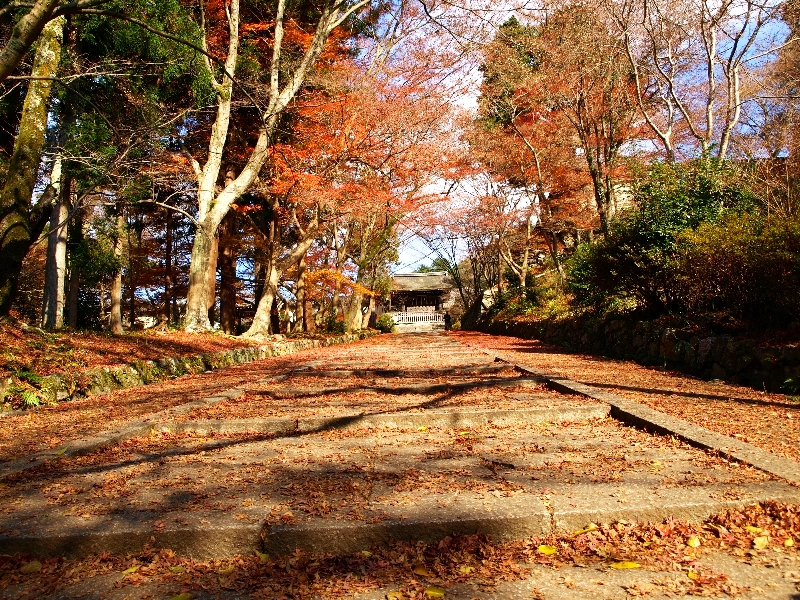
column 333, row 324
column 745, row 266
column 385, row 323
column 635, row 264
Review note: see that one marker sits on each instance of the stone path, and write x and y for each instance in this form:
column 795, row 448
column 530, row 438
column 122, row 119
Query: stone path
column 404, row 437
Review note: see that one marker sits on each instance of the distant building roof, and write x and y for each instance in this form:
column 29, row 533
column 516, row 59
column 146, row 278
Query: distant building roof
column 421, row 282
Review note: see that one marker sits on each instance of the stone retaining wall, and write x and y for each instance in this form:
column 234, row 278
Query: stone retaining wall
column 94, row 382
column 706, row 356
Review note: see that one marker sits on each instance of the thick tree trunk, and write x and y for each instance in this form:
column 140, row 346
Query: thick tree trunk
column 353, row 315
column 15, row 197
column 196, row 317
column 116, row 285
column 56, row 266
column 227, row 273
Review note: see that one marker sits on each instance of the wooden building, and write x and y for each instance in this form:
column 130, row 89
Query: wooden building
column 419, row 301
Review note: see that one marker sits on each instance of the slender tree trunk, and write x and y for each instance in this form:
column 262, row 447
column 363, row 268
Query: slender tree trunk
column 300, row 311
column 15, row 196
column 211, row 297
column 369, row 318
column 275, row 316
column 56, row 266
column 75, row 232
column 275, row 268
column 262, row 320
column 259, row 278
column 133, row 277
column 166, row 307
column 30, row 27
column 227, row 273
column 116, row 285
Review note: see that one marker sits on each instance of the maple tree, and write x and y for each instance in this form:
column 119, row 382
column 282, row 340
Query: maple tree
column 528, row 145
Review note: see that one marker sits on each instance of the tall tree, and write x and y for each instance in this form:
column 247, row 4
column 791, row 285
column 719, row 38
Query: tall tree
column 691, row 60
column 18, row 226
column 286, row 77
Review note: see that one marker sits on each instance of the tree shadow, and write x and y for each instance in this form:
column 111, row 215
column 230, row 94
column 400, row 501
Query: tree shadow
column 714, row 397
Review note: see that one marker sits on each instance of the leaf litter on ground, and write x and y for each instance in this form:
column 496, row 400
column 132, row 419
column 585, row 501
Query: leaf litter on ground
column 471, row 559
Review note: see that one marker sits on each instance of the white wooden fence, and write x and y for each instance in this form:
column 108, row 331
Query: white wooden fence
column 417, row 318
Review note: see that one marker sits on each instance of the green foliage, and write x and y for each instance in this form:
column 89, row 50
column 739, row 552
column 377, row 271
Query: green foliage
column 333, row 323
column 437, row 264
column 385, row 323
column 635, row 264
column 95, row 260
column 171, row 69
column 28, row 376
column 743, row 265
column 22, row 392
column 509, row 56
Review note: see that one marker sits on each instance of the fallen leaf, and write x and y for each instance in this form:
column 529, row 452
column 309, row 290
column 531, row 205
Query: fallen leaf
column 753, row 529
column 132, row 569
column 422, row 428
column 177, row 569
column 183, row 596
column 32, row 567
column 693, row 542
column 420, row 569
column 625, row 564
column 394, row 596
column 434, row 592
column 587, row 529
column 788, row 542
column 761, row 542
column 547, row 550
column 466, row 569
column 366, row 553
column 693, row 574
column 226, row 571
column 61, row 451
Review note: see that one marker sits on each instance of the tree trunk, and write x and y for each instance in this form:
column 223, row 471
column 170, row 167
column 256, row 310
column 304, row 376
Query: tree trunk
column 369, row 318
column 353, row 315
column 132, row 277
column 56, row 267
column 166, row 306
column 300, row 311
column 75, row 233
column 275, row 317
column 196, row 317
column 116, row 285
column 211, row 297
column 30, row 27
column 276, row 268
column 15, row 197
column 262, row 319
column 227, row 273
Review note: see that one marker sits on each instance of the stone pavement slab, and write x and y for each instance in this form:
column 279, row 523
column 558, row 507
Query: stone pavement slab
column 374, row 444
